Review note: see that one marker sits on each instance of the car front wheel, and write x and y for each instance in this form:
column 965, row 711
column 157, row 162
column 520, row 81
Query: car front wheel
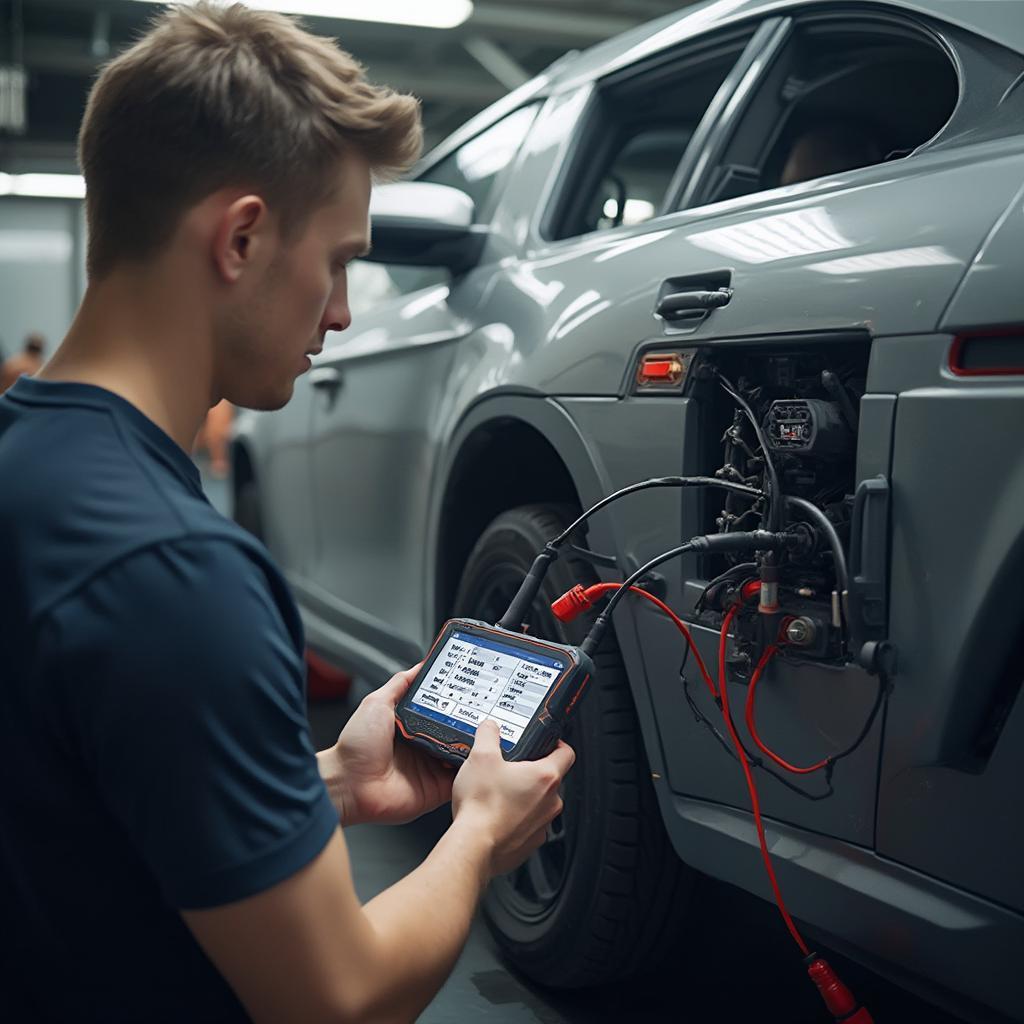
column 606, row 894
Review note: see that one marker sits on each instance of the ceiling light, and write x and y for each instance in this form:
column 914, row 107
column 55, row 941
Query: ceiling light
column 46, row 186
column 422, row 13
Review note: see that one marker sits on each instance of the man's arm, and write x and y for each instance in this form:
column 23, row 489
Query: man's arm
column 306, row 950
column 183, row 688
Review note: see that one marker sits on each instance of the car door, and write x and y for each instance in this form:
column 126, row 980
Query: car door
column 842, row 260
column 373, row 443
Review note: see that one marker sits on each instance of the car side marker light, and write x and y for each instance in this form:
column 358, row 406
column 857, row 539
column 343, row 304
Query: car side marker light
column 662, row 371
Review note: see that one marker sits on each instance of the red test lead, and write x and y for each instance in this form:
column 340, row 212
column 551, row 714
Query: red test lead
column 837, row 997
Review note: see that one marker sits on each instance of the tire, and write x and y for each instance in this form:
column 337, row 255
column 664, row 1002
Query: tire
column 606, row 896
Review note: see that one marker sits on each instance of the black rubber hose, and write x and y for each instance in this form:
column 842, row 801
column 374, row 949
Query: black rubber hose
column 658, row 481
column 821, row 520
column 528, row 590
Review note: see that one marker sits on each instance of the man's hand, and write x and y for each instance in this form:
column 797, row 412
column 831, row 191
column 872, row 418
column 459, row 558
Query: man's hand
column 511, row 803
column 371, row 775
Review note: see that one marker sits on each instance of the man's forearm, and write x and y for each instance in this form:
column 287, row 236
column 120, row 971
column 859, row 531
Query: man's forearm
column 422, row 921
column 334, row 779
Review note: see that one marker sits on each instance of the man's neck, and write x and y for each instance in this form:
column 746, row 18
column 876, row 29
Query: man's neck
column 153, row 349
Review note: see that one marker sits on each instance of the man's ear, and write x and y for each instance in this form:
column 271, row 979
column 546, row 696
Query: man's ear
column 241, row 236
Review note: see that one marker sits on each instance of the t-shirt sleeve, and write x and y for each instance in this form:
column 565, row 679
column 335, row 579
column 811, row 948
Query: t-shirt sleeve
column 185, row 693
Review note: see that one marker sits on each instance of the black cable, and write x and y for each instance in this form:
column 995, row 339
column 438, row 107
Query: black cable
column 528, row 590
column 744, row 570
column 775, row 502
column 514, row 615
column 822, row 521
column 597, row 630
column 660, row 481
column 754, row 759
column 883, row 689
column 755, row 540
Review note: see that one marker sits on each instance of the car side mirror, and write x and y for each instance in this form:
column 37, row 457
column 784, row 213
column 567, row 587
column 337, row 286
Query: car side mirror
column 418, row 223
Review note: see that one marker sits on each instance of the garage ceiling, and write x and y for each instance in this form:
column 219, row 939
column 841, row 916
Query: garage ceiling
column 456, row 72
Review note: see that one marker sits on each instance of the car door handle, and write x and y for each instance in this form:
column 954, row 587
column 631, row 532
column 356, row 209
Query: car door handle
column 326, row 378
column 869, row 561
column 687, row 304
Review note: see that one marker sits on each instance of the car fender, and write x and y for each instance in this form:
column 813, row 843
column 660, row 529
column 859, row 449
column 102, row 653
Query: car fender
column 591, row 479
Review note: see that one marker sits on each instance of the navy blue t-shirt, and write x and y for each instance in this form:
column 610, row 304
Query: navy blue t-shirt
column 154, row 749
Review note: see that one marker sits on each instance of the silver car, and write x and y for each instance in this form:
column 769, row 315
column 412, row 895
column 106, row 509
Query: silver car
column 819, row 206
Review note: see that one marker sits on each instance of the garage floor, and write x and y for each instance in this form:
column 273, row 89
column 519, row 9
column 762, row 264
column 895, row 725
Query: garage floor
column 738, row 967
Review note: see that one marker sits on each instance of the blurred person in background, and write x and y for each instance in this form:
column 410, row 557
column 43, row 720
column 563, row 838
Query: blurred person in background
column 214, row 435
column 28, row 361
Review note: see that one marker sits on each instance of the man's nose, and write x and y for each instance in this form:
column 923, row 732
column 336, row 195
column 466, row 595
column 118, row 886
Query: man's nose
column 337, row 316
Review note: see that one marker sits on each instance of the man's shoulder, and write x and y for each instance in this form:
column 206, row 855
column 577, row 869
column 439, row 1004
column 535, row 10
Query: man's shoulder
column 216, row 590
column 80, row 498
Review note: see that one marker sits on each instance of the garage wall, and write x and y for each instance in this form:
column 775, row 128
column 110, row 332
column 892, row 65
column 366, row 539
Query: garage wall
column 42, row 268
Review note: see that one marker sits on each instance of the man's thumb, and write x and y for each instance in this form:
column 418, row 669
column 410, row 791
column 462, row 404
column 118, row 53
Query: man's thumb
column 487, row 736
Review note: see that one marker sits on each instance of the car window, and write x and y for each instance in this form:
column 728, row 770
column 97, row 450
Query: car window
column 634, row 137
column 840, row 95
column 476, row 166
column 635, row 181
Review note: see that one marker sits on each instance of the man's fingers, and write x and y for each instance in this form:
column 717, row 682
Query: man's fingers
column 394, row 689
column 562, row 757
column 537, row 840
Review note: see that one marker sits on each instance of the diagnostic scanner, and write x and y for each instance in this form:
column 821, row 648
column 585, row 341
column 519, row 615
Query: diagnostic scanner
column 476, row 671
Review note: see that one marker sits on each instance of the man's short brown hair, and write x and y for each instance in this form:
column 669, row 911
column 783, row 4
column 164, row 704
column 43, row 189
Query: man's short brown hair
column 214, row 96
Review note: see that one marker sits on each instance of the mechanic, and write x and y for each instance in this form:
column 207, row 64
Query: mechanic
column 169, row 840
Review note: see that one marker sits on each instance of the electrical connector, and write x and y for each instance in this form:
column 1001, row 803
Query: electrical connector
column 841, row 1002
column 571, row 603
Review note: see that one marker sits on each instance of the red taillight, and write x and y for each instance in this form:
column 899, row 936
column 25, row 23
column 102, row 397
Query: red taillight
column 994, row 353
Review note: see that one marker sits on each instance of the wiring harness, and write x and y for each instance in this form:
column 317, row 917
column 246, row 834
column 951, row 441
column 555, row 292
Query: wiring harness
column 837, row 997
column 765, row 544
column 747, row 595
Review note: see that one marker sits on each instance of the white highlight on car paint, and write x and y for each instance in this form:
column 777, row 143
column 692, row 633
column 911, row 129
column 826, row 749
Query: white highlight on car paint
column 556, row 121
column 41, row 246
column 492, row 151
column 631, row 244
column 542, row 292
column 581, row 309
column 891, row 259
column 686, row 26
column 778, row 237
column 421, row 303
column 43, row 186
column 435, row 14
column 592, row 311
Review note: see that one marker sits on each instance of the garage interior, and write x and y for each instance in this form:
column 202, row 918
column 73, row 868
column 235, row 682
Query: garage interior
column 734, row 965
